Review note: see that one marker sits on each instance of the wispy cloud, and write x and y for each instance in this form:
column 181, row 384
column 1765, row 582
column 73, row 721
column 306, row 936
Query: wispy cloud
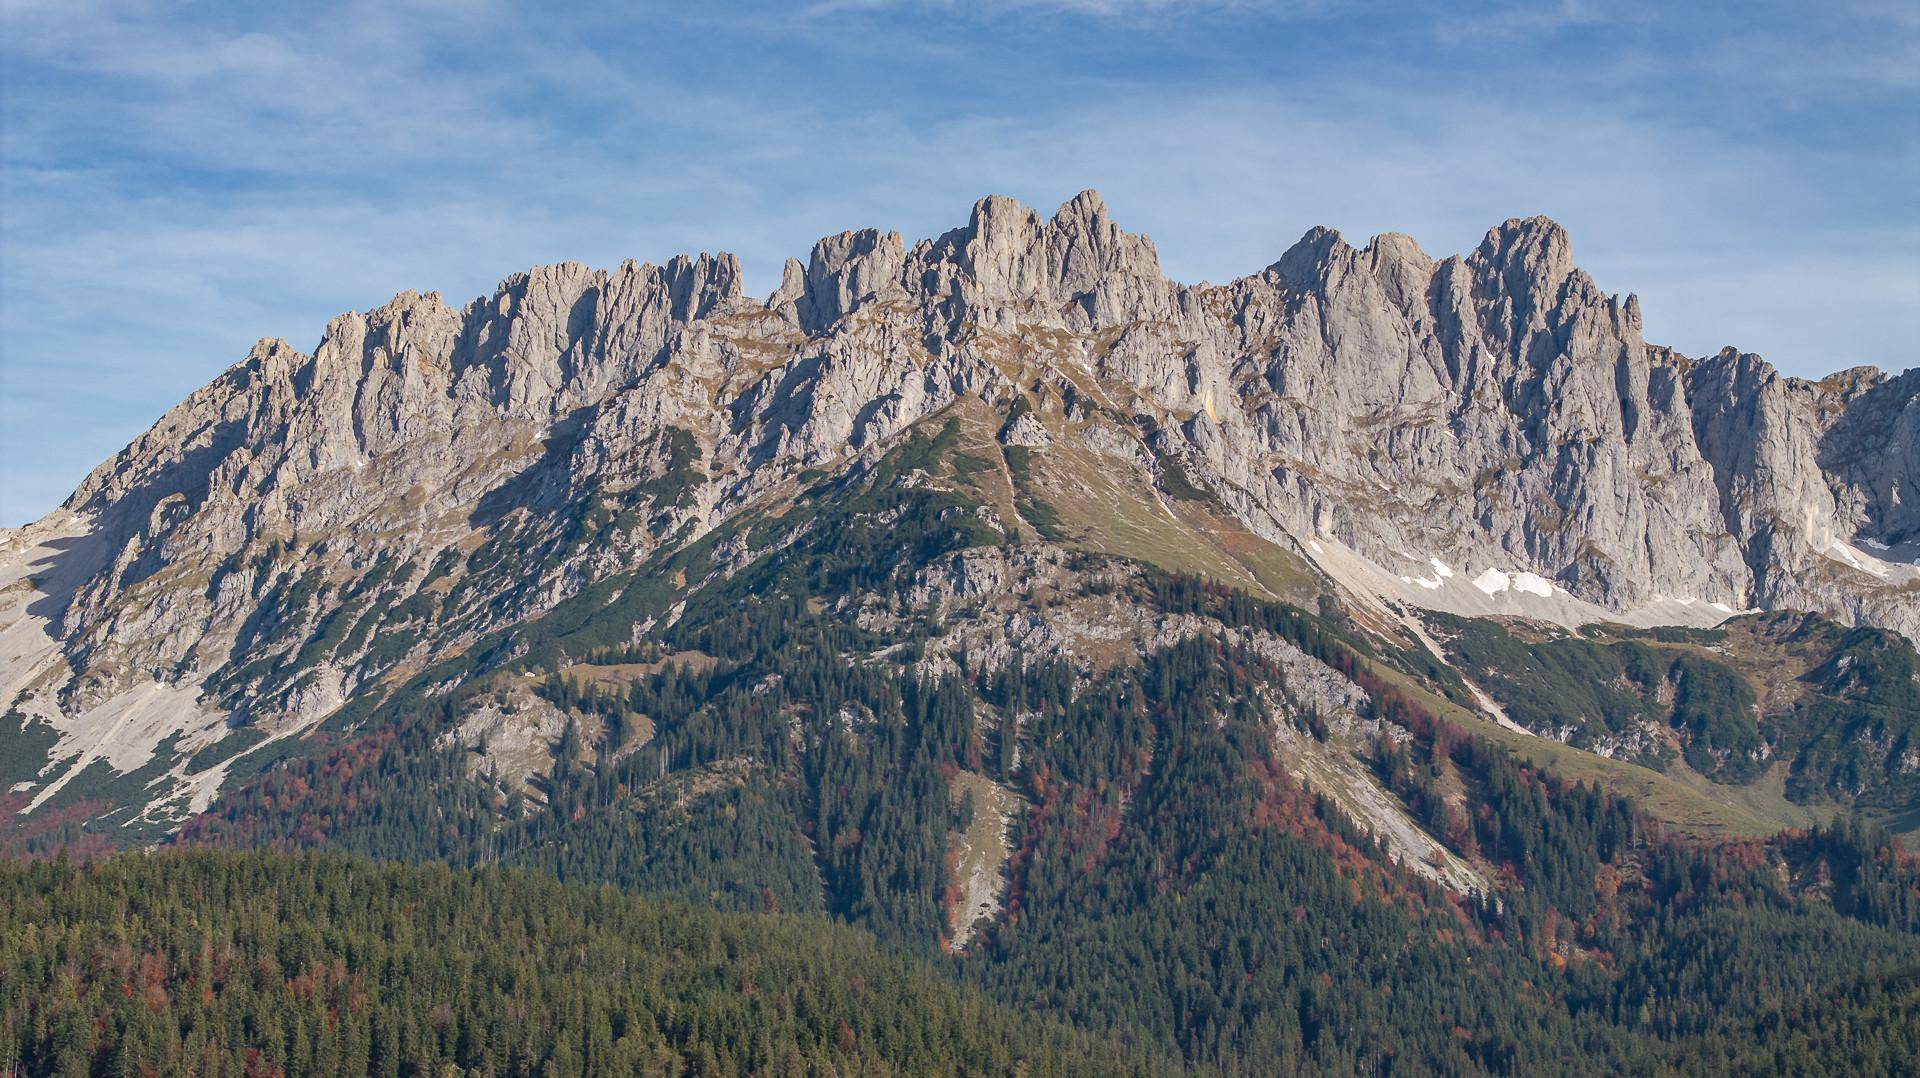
column 1111, row 9
column 1527, row 20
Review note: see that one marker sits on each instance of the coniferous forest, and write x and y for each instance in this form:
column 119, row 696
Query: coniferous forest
column 222, row 963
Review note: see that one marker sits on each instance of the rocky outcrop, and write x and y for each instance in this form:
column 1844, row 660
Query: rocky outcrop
column 1870, row 445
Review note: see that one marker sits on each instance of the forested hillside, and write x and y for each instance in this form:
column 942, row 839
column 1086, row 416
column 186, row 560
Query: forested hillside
column 1197, row 827
column 217, row 963
column 920, row 770
column 1279, row 959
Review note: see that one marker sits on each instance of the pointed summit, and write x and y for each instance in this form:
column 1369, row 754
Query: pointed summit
column 1086, row 206
column 1306, row 261
column 1528, row 251
column 1091, row 248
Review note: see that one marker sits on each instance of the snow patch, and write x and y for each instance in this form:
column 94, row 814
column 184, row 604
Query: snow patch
column 1441, row 572
column 1493, row 582
column 1534, row 584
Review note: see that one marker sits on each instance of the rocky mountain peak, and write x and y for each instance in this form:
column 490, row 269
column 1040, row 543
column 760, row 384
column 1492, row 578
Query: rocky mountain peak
column 1085, row 207
column 1396, row 248
column 1006, row 256
column 846, row 271
column 1528, row 249
column 1401, row 267
column 1526, row 265
column 1305, row 265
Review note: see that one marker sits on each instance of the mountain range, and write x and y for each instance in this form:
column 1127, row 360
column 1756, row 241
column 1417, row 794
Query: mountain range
column 950, row 577
column 1486, row 434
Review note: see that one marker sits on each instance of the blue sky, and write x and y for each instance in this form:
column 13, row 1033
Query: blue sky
column 181, row 179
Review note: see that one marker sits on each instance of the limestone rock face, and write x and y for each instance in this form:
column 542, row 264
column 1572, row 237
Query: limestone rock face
column 1870, row 441
column 1482, row 433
